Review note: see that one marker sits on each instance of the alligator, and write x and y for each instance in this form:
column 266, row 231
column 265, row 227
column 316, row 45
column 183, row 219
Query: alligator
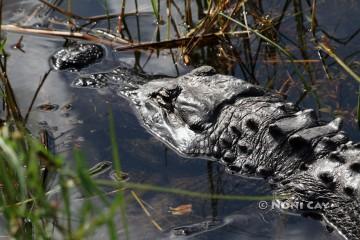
column 253, row 132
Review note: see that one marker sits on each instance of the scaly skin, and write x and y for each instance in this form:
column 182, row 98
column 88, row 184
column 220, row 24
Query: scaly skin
column 252, row 132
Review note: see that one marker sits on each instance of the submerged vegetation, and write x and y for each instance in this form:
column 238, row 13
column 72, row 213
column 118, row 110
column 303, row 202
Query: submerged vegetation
column 36, row 184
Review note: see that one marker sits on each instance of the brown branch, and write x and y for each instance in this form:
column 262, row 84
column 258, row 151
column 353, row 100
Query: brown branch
column 84, row 36
column 206, row 38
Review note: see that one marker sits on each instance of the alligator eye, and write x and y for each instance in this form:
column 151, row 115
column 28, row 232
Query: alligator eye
column 165, row 97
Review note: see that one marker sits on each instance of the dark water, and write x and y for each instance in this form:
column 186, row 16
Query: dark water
column 149, row 161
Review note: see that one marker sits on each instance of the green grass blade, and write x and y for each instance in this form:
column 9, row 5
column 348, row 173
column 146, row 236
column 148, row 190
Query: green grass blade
column 340, row 61
column 120, row 198
column 155, row 7
column 358, row 108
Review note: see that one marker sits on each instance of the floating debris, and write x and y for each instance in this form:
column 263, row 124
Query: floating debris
column 19, row 45
column 100, row 168
column 67, row 107
column 119, row 176
column 181, row 209
column 197, row 228
column 47, row 107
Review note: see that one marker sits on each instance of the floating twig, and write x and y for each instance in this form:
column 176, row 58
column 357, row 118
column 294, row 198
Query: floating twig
column 147, row 213
column 182, row 41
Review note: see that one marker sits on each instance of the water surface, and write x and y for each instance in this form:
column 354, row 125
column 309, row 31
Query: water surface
column 83, row 114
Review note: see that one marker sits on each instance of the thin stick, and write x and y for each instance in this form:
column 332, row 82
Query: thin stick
column 147, row 213
column 304, row 61
column 11, row 104
column 182, row 41
column 35, row 95
column 84, row 36
column 62, row 11
column 14, row 28
column 342, row 64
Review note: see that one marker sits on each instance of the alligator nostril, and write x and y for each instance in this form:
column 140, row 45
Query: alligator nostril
column 349, row 190
column 326, row 177
column 355, row 167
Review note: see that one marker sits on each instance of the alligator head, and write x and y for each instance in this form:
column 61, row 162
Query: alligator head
column 181, row 111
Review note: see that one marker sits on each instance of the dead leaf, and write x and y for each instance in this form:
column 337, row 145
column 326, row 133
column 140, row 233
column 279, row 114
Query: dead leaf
column 181, row 209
